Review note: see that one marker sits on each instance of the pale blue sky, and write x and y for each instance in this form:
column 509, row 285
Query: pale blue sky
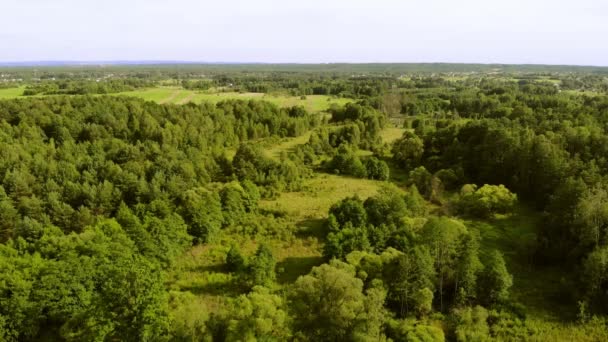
column 307, row 31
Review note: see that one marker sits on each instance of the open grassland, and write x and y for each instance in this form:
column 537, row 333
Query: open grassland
column 319, row 194
column 160, row 95
column 176, row 95
column 10, row 93
column 390, row 134
column 312, row 103
column 287, row 145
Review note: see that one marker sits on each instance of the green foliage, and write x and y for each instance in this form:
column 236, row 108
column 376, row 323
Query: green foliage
column 387, row 207
column 93, row 285
column 407, row 151
column 406, row 331
column 258, row 316
column 375, row 315
column 328, row 303
column 592, row 217
column 471, row 324
column 347, row 239
column 423, row 300
column 234, row 199
column 235, row 261
column 349, row 210
column 410, row 278
column 421, row 178
column 346, row 162
column 486, row 201
column 202, row 211
column 495, row 280
column 376, row 169
column 468, row 268
column 188, row 318
column 595, row 272
column 261, row 268
column 414, row 202
column 442, row 235
column 100, row 196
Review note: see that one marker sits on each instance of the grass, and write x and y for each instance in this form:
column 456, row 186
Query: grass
column 390, row 134
column 540, row 289
column 287, row 145
column 312, row 103
column 177, row 95
column 319, row 194
column 152, row 94
column 11, row 93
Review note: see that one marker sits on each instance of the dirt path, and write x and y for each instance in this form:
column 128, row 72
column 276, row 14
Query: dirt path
column 171, row 97
column 186, row 99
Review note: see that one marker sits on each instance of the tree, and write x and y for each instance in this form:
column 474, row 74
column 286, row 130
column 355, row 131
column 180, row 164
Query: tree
column 495, row 280
column 423, row 300
column 248, row 161
column 404, row 330
column 346, row 240
column 376, row 169
column 422, row 179
column 131, row 303
column 595, row 275
column 408, row 150
column 350, row 210
column 407, row 275
column 387, row 207
column 471, row 324
column 235, row 261
column 468, row 267
column 203, row 214
column 346, row 162
column 258, row 316
column 8, row 217
column 486, row 201
column 189, row 318
column 592, row 216
column 261, row 267
column 375, row 315
column 442, row 236
column 328, row 302
column 414, row 202
column 233, row 199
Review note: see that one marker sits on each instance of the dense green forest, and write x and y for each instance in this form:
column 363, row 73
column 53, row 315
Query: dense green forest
column 438, row 203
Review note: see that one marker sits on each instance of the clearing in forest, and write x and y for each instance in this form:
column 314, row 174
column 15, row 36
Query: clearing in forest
column 11, row 93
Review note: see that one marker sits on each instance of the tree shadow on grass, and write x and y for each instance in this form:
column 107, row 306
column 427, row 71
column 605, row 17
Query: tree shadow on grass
column 217, row 268
column 311, row 228
column 291, row 268
column 231, row 288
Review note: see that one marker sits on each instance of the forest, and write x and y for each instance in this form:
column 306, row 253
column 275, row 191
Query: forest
column 422, row 202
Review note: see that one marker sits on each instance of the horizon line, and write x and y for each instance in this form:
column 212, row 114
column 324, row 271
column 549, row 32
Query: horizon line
column 60, row 62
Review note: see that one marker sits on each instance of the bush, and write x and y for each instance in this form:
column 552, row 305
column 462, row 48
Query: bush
column 486, row 201
column 376, row 169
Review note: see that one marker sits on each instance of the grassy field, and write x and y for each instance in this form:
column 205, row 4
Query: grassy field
column 287, row 145
column 176, row 95
column 390, row 134
column 159, row 95
column 10, row 93
column 319, row 194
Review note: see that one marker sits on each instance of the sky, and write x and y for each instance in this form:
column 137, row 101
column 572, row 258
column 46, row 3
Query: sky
column 307, row 31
